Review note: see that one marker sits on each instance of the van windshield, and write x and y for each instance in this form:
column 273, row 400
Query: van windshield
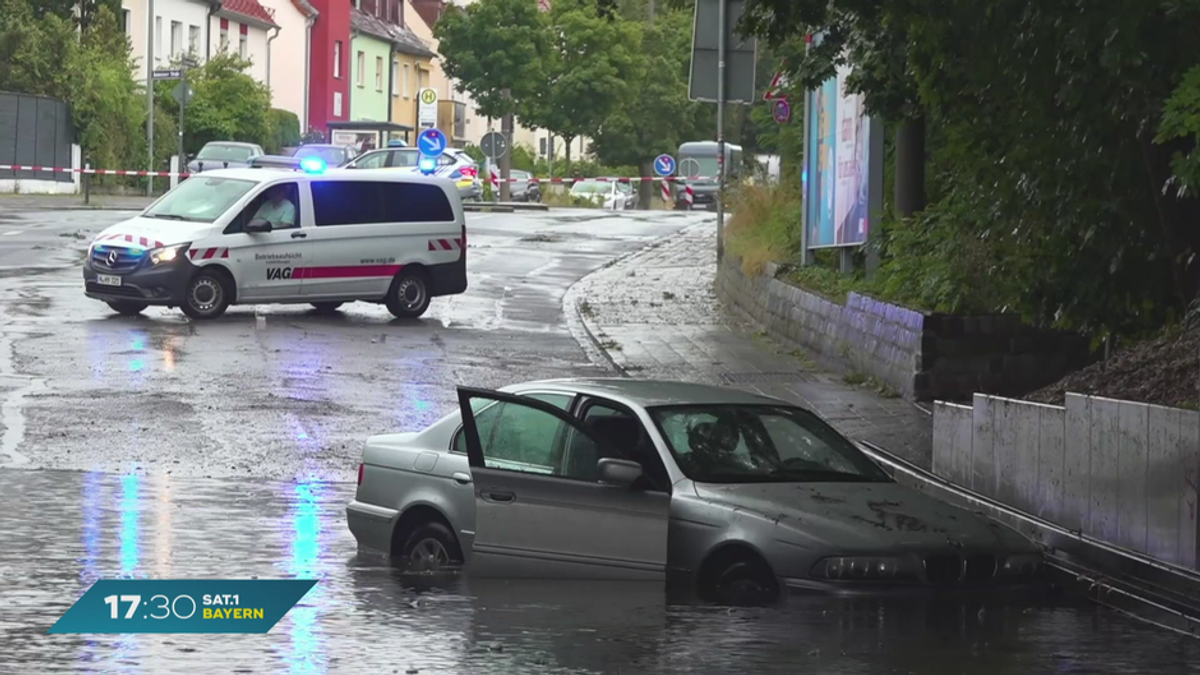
column 200, row 199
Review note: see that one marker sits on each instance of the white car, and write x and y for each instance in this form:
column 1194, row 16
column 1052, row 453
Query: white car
column 607, row 194
column 454, row 164
column 247, row 236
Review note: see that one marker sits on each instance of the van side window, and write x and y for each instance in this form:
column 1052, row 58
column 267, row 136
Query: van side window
column 279, row 204
column 364, row 202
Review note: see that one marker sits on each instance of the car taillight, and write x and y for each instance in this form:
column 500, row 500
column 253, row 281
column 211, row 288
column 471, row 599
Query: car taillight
column 361, row 468
column 469, row 171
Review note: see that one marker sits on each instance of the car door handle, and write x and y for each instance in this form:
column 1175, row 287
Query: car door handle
column 502, row 496
column 299, row 235
column 461, row 478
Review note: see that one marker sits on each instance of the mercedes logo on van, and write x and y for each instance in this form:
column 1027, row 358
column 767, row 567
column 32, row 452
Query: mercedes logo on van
column 112, row 258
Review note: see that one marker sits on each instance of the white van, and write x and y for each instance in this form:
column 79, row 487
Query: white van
column 248, row 236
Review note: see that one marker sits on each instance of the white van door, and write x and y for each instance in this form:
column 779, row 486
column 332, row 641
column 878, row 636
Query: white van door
column 271, row 265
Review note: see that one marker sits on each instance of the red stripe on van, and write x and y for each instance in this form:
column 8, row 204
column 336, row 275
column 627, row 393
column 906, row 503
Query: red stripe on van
column 348, row 271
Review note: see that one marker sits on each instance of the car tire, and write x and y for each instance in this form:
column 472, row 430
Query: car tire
column 744, row 582
column 430, row 547
column 327, row 307
column 408, row 297
column 207, row 295
column 127, row 307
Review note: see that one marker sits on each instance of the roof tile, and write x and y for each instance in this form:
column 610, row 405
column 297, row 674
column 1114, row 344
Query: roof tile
column 250, row 9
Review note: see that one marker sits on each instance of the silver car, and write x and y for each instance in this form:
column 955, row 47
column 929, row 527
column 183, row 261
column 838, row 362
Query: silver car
column 735, row 493
column 223, row 155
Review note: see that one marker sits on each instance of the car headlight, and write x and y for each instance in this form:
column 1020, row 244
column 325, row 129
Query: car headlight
column 1021, row 565
column 863, row 568
column 167, row 253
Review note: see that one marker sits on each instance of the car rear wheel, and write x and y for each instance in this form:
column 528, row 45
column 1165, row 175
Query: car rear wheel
column 408, row 298
column 431, row 548
column 127, row 307
column 207, row 295
column 327, row 307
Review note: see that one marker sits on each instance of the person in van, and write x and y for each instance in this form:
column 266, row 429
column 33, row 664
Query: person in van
column 278, row 209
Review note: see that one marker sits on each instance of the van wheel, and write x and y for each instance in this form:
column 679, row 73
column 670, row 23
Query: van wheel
column 127, row 307
column 207, row 295
column 327, row 307
column 408, row 298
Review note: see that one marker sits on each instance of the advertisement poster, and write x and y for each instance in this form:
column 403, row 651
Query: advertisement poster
column 838, row 194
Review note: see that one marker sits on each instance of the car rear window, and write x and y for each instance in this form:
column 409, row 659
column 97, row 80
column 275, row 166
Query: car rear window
column 352, row 202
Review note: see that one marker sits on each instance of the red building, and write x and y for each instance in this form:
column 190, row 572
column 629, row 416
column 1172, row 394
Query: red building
column 329, row 89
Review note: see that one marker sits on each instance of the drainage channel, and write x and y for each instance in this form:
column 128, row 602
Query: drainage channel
column 1134, row 584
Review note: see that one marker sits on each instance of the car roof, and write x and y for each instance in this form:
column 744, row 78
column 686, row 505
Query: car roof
column 271, row 174
column 239, row 144
column 651, row 393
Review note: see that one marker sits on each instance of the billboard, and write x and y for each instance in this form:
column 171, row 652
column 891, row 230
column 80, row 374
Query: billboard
column 840, row 163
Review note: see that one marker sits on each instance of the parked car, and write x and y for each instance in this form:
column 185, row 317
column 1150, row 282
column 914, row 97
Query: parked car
column 591, row 478
column 603, row 193
column 223, row 155
column 631, row 194
column 524, row 189
column 453, row 164
column 332, row 155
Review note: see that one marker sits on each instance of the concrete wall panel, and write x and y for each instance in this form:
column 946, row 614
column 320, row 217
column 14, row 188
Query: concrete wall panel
column 1131, row 474
column 1077, row 444
column 1164, row 481
column 1105, row 434
column 983, row 468
column 1025, row 466
column 1189, row 447
column 1051, row 462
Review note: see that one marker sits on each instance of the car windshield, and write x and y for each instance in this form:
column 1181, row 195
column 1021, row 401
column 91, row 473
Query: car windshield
column 591, row 187
column 760, row 444
column 225, row 153
column 327, row 155
column 200, row 199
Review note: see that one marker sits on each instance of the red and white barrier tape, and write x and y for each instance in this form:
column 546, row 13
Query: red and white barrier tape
column 496, row 180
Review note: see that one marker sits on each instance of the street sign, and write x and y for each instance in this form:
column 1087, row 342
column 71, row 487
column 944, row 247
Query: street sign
column 781, row 110
column 494, row 145
column 188, row 62
column 664, row 165
column 740, row 54
column 773, row 92
column 427, row 100
column 182, row 97
column 431, row 142
column 168, row 74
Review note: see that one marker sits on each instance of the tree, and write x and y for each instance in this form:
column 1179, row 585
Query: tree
column 228, row 105
column 589, row 63
column 495, row 50
column 108, row 107
column 1045, row 122
column 659, row 116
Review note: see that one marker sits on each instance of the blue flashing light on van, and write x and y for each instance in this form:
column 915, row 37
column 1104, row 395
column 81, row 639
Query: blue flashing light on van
column 313, row 165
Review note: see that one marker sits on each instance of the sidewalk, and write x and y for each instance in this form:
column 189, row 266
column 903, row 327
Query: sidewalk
column 74, row 202
column 654, row 314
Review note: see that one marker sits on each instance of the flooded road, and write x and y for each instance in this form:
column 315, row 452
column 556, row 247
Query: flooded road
column 64, row 530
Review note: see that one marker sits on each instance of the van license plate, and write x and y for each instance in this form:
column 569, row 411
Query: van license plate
column 108, row 280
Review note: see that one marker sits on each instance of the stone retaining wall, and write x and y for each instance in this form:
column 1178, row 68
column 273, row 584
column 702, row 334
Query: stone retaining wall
column 923, row 356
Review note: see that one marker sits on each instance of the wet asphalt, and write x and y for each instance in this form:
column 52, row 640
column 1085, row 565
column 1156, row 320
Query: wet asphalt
column 161, row 448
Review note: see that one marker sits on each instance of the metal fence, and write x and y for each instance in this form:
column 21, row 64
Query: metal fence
column 35, row 131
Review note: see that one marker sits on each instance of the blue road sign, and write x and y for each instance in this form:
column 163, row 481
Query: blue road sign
column 431, row 142
column 664, row 165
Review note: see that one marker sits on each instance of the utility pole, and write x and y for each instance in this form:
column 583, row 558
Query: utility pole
column 721, row 131
column 506, row 128
column 150, row 95
column 651, row 12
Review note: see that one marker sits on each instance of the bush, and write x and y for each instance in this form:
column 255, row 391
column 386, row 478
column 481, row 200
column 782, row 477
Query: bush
column 285, row 130
column 764, row 225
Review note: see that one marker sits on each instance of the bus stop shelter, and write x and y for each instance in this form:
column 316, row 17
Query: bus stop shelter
column 366, row 135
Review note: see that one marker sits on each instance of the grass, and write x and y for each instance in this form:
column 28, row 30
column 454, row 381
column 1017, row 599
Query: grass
column 585, row 308
column 566, row 199
column 859, row 379
column 668, row 295
column 764, row 226
column 610, row 346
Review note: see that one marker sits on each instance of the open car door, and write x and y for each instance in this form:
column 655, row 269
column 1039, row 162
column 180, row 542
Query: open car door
column 552, row 501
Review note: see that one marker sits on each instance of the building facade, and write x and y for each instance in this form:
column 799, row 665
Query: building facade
column 371, row 48
column 290, row 52
column 329, row 65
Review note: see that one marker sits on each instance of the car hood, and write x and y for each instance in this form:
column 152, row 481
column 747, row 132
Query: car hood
column 152, row 233
column 862, row 516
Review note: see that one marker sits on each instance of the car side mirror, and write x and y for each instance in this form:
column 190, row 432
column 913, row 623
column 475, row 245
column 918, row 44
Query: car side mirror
column 258, row 225
column 621, row 472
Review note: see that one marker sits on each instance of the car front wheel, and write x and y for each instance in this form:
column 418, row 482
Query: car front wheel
column 207, row 296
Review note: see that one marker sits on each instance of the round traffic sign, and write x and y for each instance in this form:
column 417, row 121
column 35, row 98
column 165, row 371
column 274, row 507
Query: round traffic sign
column 781, row 111
column 428, row 96
column 690, row 168
column 664, row 165
column 494, row 145
column 431, row 142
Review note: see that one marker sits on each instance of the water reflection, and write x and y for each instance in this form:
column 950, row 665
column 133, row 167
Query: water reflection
column 306, row 654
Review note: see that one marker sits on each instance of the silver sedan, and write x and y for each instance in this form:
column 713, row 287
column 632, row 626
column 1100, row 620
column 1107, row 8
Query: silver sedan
column 741, row 495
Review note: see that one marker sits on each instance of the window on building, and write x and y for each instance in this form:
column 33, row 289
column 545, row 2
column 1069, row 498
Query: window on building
column 407, row 91
column 224, row 35
column 378, row 73
column 395, row 86
column 243, row 40
column 176, row 38
column 127, row 22
column 360, row 65
column 337, row 59
column 158, row 38
column 194, row 39
column 424, row 76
